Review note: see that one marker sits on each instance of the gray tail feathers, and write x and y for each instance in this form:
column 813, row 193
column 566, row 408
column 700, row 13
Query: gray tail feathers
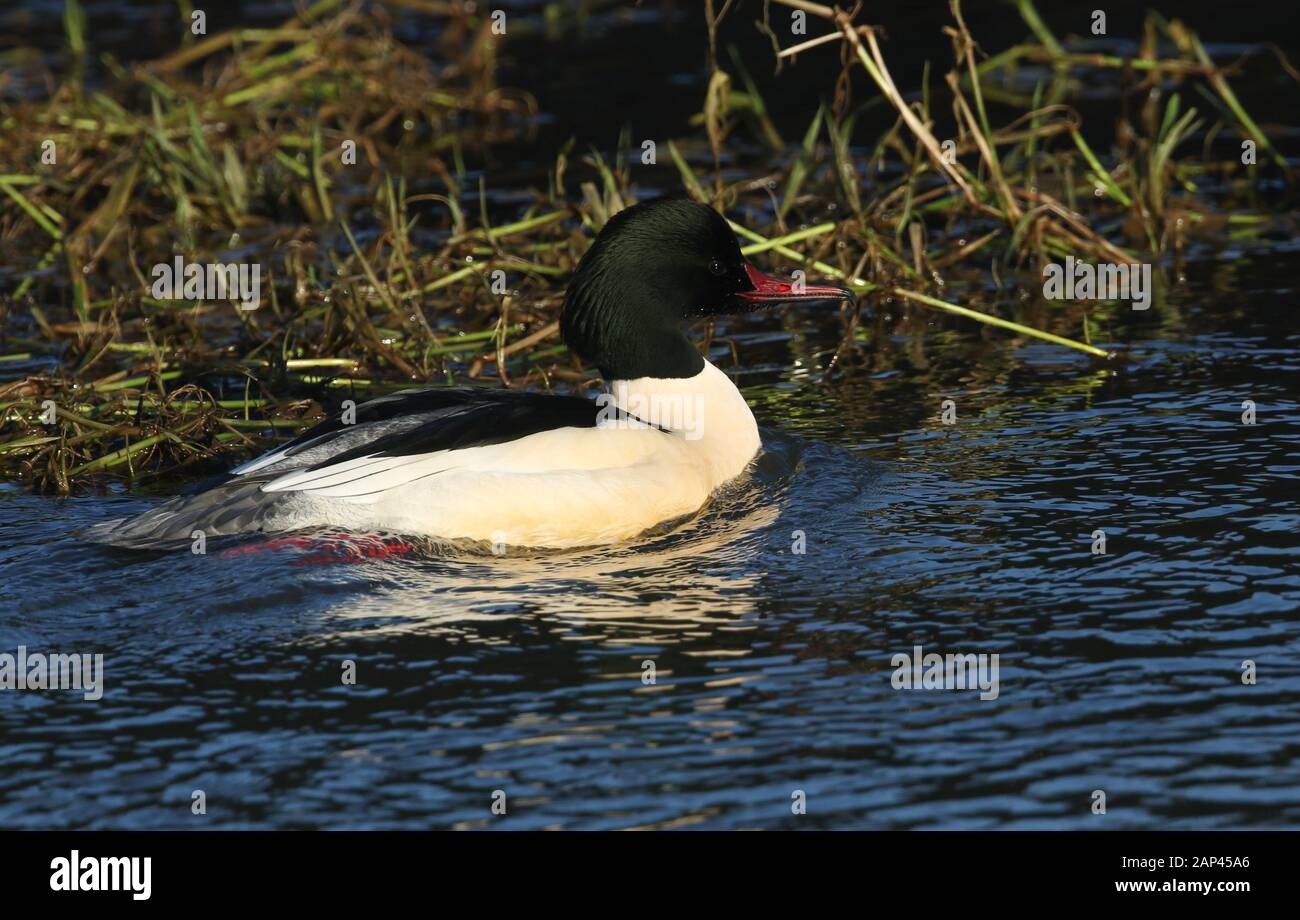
column 235, row 505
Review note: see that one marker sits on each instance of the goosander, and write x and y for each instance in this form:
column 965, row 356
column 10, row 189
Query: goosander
column 526, row 469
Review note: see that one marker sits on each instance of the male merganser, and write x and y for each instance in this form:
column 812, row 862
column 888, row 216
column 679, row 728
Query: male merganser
column 527, row 469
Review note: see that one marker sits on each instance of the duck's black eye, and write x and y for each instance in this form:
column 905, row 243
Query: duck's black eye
column 717, row 268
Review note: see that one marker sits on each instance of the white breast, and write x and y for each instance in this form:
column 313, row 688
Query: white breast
column 564, row 487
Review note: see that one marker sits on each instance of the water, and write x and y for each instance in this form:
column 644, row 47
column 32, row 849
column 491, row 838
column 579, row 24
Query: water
column 1119, row 672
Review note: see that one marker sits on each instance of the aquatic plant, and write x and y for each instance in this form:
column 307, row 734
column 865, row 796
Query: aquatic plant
column 333, row 155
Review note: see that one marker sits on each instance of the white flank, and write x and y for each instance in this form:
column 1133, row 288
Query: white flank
column 558, row 488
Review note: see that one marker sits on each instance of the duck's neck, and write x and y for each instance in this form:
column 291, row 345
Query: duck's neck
column 706, row 410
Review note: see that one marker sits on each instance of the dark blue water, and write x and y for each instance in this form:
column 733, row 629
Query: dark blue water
column 1119, row 672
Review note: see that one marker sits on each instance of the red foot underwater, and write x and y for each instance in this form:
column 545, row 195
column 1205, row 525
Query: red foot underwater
column 341, row 547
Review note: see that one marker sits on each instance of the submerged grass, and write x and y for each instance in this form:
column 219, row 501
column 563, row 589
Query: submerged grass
column 334, row 157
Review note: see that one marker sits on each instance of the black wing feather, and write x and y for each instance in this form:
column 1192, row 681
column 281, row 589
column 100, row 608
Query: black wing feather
column 441, row 418
column 565, row 411
column 479, row 423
